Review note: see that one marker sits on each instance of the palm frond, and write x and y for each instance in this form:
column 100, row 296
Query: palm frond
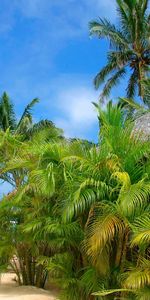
column 112, row 82
column 122, row 10
column 103, row 28
column 26, row 114
column 141, row 231
column 44, row 180
column 45, row 125
column 128, row 102
column 146, row 87
column 124, row 179
column 143, row 294
column 7, row 114
column 137, row 279
column 91, row 280
column 130, row 44
column 132, row 84
column 88, row 193
column 113, row 291
column 101, row 232
column 133, row 197
column 102, row 75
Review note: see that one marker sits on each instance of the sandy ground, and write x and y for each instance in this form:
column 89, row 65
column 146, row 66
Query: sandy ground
column 10, row 291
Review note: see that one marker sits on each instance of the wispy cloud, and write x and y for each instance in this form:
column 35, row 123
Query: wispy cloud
column 38, row 8
column 73, row 103
column 69, row 17
column 51, row 24
column 64, row 18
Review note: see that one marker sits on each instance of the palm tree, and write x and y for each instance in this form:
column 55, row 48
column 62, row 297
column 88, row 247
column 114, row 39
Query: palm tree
column 8, row 117
column 80, row 212
column 33, row 184
column 129, row 47
column 109, row 197
column 25, row 125
column 109, row 233
column 7, row 114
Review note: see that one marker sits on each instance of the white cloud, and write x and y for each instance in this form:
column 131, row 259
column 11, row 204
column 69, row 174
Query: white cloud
column 66, row 100
column 77, row 115
column 76, row 103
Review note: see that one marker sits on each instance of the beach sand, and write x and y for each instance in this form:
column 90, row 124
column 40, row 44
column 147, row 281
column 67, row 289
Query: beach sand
column 9, row 290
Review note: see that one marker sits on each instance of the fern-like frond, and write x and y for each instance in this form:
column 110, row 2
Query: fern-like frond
column 134, row 198
column 44, row 180
column 88, row 193
column 101, row 232
column 137, row 279
column 141, row 231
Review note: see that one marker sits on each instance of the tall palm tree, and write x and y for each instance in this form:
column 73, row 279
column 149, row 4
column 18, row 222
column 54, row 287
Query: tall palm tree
column 129, row 47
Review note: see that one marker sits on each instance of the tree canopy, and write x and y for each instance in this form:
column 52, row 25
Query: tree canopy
column 129, row 47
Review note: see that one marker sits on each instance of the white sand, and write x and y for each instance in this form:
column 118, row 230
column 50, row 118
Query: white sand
column 10, row 291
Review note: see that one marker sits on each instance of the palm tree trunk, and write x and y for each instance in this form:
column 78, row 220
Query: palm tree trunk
column 141, row 77
column 124, row 250
column 119, row 251
column 16, row 270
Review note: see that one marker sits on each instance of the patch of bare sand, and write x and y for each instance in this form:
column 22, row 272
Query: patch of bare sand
column 9, row 290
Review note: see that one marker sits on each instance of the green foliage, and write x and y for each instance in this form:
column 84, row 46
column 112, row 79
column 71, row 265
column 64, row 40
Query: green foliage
column 79, row 213
column 129, row 48
column 25, row 125
column 7, row 114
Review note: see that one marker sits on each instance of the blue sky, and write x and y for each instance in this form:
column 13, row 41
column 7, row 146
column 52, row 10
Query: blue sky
column 46, row 52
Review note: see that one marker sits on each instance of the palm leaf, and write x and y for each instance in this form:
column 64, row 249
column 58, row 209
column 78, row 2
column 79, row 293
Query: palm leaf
column 26, row 114
column 112, row 82
column 44, row 180
column 141, row 230
column 137, row 279
column 7, row 114
column 132, row 84
column 113, row 291
column 104, row 28
column 101, row 232
column 88, row 193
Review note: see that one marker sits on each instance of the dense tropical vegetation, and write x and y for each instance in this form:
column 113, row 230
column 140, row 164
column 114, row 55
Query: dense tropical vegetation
column 78, row 213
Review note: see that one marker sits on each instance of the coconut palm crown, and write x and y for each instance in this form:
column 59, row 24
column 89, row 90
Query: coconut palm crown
column 129, row 47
